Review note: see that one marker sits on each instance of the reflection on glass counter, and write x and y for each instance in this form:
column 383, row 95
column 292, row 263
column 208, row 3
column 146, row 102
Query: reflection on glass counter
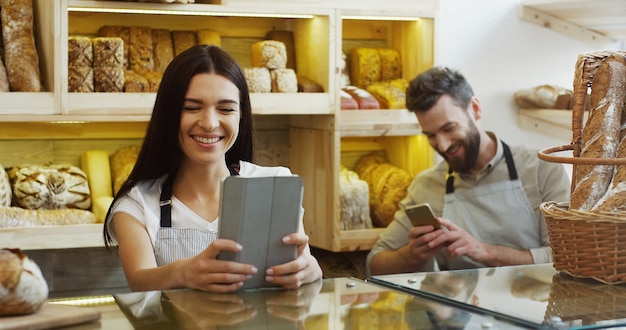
column 341, row 303
column 537, row 294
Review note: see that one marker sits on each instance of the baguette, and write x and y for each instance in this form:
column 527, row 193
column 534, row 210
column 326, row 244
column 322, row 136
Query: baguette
column 613, row 199
column 601, row 134
column 13, row 216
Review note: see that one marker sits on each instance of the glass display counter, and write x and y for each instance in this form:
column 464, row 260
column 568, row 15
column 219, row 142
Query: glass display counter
column 532, row 295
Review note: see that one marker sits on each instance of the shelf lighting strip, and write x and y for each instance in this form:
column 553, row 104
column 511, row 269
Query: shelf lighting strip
column 382, row 18
column 183, row 12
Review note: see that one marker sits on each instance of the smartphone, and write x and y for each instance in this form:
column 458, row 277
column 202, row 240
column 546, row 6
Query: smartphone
column 422, row 215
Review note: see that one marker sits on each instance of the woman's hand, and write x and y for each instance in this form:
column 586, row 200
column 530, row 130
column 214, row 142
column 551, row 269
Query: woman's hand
column 304, row 269
column 206, row 272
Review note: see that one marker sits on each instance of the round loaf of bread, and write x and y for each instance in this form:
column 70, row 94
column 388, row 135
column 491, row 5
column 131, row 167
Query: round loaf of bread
column 23, row 289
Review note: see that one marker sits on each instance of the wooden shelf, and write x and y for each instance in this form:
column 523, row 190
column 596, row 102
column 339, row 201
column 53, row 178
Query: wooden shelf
column 390, row 122
column 555, row 123
column 53, row 237
column 599, row 22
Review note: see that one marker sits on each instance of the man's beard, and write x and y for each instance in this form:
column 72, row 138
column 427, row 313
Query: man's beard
column 471, row 146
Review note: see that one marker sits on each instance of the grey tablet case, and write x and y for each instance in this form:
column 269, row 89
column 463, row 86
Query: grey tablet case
column 258, row 212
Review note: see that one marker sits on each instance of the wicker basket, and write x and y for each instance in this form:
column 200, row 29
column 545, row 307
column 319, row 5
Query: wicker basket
column 585, row 244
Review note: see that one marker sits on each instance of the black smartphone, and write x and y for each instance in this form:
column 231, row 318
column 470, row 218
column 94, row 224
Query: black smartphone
column 422, row 215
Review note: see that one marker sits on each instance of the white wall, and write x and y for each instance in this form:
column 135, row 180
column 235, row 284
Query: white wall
column 499, row 53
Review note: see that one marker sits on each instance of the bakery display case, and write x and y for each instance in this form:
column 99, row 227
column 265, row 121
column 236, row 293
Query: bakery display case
column 307, row 131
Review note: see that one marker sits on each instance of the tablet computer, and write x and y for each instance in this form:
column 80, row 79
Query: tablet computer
column 257, row 212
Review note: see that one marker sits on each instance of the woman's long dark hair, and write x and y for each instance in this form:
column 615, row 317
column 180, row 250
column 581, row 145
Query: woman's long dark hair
column 160, row 153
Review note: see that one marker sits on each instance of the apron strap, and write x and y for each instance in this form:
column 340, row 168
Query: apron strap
column 510, row 164
column 165, row 199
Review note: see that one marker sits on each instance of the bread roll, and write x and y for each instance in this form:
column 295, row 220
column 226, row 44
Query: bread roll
column 307, row 85
column 601, row 133
column 614, row 199
column 23, row 289
column 14, row 217
column 20, row 54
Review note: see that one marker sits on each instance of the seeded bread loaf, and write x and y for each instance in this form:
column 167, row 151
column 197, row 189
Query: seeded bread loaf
column 122, row 32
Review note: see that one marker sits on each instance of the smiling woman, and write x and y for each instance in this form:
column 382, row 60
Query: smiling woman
column 164, row 218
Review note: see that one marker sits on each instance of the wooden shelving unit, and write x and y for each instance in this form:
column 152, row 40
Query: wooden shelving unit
column 56, row 119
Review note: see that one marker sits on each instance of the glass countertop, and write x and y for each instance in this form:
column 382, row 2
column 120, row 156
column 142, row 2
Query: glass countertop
column 537, row 294
column 339, row 303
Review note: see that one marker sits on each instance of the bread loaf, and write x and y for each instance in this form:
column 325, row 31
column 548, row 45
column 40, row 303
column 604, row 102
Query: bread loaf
column 122, row 163
column 284, row 81
column 108, row 79
column 140, row 55
column 135, row 83
column 4, row 79
column 544, row 97
column 209, row 37
column 23, row 289
column 364, row 99
column 364, row 67
column 615, row 197
column 388, row 94
column 601, row 134
column 354, row 201
column 259, row 79
column 50, row 186
column 79, row 51
column 269, row 54
column 308, row 85
column 163, row 49
column 390, row 64
column 122, row 32
column 80, row 79
column 387, row 186
column 153, row 78
column 183, row 40
column 13, row 217
column 6, row 194
column 347, row 101
column 20, row 54
column 286, row 37
column 108, row 52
